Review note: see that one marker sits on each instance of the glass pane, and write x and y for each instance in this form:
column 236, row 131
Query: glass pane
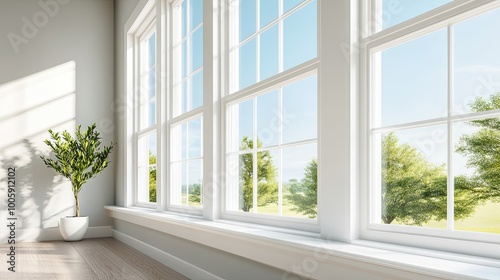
column 245, row 184
column 197, row 13
column 152, row 112
column 184, row 17
column 300, row 110
column 300, row 181
column 240, row 126
column 477, row 169
column 197, row 47
column 410, row 82
column 300, row 36
column 194, row 138
column 180, row 99
column 245, row 125
column 184, row 63
column 476, row 62
column 267, row 182
column 248, row 64
column 290, row 4
column 268, row 120
column 396, row 11
column 269, row 53
column 146, row 160
column 413, row 177
column 248, row 17
column 194, row 185
column 268, row 11
column 187, row 140
column 152, row 51
column 197, row 88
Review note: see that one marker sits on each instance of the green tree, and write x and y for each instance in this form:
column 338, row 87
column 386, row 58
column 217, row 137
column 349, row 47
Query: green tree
column 304, row 194
column 482, row 148
column 414, row 190
column 152, row 177
column 195, row 194
column 267, row 184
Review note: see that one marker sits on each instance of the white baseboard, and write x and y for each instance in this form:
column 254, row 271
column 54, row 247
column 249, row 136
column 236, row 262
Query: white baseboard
column 183, row 267
column 49, row 234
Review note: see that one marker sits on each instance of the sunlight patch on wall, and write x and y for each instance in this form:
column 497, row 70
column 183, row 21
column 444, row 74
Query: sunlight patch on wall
column 30, row 106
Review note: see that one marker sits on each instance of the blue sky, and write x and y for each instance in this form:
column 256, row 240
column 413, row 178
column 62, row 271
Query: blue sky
column 415, row 79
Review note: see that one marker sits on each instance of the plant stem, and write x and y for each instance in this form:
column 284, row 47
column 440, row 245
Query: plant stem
column 77, row 204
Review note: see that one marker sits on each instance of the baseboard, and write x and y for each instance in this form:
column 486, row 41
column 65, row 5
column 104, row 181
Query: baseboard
column 50, row 234
column 183, row 267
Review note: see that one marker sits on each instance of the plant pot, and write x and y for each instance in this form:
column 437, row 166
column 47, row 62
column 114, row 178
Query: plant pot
column 73, row 228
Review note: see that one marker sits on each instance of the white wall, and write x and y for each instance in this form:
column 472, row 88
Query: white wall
column 56, row 71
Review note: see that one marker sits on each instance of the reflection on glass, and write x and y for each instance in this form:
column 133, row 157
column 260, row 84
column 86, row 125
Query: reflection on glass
column 476, row 62
column 414, row 87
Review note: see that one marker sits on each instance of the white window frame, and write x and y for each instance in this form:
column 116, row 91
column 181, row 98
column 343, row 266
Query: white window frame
column 173, row 51
column 473, row 243
column 144, row 30
column 232, row 96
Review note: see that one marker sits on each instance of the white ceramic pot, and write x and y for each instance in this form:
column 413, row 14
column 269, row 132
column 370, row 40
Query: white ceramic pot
column 73, row 228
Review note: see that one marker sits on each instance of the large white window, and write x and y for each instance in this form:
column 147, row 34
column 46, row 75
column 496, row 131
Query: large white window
column 433, row 131
column 145, row 113
column 271, row 126
column 272, row 112
column 186, row 125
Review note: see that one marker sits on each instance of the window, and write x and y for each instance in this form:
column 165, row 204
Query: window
column 266, row 38
column 434, row 110
column 186, row 126
column 271, row 132
column 146, row 130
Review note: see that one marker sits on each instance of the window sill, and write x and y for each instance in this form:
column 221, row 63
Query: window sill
column 304, row 253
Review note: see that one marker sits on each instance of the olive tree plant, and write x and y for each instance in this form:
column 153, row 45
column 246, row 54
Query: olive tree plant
column 78, row 158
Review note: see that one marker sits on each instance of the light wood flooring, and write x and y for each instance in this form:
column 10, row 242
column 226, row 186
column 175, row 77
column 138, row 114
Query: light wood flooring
column 102, row 258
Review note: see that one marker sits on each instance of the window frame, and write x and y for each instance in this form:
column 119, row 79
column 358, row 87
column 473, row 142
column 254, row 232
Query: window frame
column 231, row 96
column 175, row 76
column 444, row 17
column 147, row 26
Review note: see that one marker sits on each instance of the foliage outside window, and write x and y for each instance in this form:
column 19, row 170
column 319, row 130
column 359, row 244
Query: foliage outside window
column 435, row 128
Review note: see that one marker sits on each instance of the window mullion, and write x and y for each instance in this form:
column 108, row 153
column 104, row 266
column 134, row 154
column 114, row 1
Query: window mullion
column 451, row 179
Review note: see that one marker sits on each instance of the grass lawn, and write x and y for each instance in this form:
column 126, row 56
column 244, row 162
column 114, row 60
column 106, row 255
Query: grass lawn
column 486, row 219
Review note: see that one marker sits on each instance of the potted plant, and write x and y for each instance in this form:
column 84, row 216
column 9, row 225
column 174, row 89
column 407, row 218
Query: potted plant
column 78, row 159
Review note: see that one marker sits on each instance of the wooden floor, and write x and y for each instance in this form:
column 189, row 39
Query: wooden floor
column 103, row 258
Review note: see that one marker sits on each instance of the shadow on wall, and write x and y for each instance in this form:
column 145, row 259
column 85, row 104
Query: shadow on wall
column 30, row 106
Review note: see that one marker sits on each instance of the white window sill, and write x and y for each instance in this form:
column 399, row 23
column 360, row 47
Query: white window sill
column 305, row 253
